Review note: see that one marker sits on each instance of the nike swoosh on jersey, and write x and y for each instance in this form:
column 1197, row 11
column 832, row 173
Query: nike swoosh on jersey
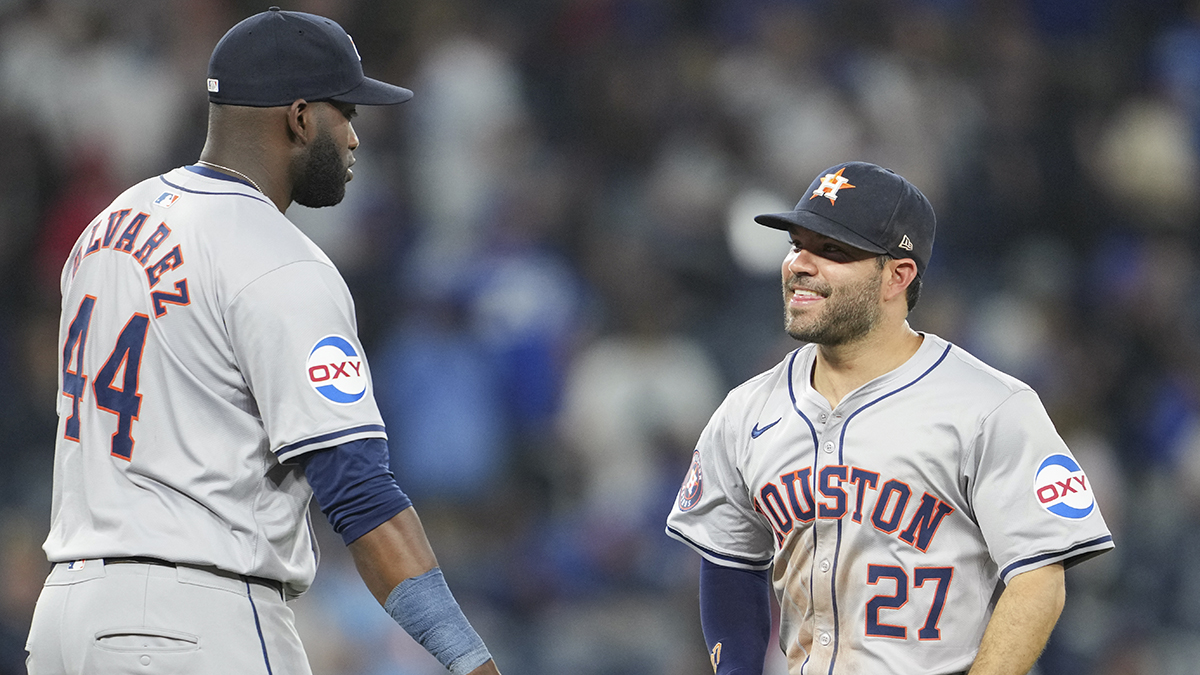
column 756, row 431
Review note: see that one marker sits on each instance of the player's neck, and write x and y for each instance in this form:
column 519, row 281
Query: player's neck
column 248, row 171
column 242, row 143
column 840, row 369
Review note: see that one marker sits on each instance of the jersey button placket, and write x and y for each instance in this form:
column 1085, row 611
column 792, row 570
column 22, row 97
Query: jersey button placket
column 824, row 616
column 826, row 530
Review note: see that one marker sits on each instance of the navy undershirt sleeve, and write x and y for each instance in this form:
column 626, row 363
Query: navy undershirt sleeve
column 735, row 611
column 354, row 486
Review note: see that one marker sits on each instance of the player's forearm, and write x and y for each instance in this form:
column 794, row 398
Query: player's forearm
column 397, row 564
column 735, row 614
column 1024, row 618
column 394, row 551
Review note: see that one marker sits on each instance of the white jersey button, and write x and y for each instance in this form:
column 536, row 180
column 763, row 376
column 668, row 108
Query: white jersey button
column 825, row 639
column 828, row 446
column 824, row 565
column 822, row 418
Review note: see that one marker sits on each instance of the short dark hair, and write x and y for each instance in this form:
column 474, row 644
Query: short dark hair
column 913, row 293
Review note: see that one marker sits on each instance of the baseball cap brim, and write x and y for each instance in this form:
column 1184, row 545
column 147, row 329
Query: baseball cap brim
column 821, row 225
column 374, row 92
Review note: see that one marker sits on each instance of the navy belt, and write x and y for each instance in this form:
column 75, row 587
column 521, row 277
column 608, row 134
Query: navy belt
column 272, row 584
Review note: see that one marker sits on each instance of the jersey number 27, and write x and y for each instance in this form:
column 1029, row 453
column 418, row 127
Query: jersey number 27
column 123, row 401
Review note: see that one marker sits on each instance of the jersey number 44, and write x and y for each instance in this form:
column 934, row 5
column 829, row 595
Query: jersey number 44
column 124, row 401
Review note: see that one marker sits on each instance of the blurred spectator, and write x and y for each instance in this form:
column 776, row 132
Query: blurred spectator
column 440, row 398
column 89, row 76
column 636, row 399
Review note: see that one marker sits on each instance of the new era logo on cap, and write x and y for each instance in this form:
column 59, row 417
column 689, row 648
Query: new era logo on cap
column 868, row 207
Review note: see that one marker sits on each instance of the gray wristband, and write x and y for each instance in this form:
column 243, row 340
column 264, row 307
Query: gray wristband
column 426, row 610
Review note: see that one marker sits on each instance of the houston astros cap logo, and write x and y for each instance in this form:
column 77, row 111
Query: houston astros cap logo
column 335, row 370
column 693, row 485
column 1062, row 489
column 830, row 184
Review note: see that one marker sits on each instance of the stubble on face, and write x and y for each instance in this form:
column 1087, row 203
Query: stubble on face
column 846, row 314
column 319, row 176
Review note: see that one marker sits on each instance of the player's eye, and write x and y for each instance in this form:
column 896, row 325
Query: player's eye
column 348, row 110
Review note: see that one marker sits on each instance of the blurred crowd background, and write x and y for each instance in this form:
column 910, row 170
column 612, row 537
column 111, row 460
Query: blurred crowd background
column 557, row 276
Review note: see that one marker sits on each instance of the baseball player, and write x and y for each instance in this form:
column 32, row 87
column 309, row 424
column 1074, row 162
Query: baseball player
column 913, row 508
column 212, row 383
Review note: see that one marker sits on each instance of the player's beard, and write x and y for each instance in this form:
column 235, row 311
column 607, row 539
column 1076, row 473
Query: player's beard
column 319, row 176
column 847, row 313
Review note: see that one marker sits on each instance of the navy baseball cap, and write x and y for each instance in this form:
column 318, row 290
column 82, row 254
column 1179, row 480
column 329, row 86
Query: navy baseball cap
column 276, row 57
column 868, row 207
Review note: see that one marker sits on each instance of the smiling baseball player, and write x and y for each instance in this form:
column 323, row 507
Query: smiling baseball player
column 913, row 508
column 212, row 383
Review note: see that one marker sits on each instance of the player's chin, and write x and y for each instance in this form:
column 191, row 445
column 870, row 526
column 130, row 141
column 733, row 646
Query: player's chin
column 798, row 313
column 800, row 322
column 331, row 196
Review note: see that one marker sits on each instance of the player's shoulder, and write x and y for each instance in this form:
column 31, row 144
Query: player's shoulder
column 964, row 370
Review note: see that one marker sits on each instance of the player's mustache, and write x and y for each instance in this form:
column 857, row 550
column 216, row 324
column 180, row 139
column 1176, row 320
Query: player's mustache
column 798, row 283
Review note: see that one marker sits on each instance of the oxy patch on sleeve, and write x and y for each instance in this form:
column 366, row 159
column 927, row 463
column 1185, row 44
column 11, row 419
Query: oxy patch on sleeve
column 1062, row 488
column 336, row 371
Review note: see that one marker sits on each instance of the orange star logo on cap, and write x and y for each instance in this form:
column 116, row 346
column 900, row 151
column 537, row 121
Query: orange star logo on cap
column 830, row 184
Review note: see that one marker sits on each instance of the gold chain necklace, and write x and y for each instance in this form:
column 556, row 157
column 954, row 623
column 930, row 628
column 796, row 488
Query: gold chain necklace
column 232, row 171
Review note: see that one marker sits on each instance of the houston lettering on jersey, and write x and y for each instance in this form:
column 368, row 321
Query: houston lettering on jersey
column 841, row 490
column 123, row 234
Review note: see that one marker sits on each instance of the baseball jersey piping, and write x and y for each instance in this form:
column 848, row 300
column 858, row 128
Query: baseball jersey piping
column 715, row 556
column 842, row 439
column 255, row 197
column 1056, row 556
column 258, row 627
column 373, row 429
column 816, row 444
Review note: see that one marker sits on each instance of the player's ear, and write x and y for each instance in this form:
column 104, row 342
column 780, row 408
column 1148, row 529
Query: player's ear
column 300, row 121
column 898, row 274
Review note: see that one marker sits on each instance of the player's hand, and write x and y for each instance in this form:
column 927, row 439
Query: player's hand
column 488, row 668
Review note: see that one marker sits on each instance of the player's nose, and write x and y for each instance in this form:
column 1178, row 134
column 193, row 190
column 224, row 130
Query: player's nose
column 800, row 262
column 353, row 138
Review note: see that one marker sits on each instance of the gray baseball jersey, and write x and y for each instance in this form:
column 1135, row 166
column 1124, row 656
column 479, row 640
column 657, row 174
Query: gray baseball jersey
column 893, row 520
column 204, row 342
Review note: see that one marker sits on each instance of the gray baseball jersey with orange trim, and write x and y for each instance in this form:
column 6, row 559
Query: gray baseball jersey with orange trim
column 204, row 342
column 893, row 520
